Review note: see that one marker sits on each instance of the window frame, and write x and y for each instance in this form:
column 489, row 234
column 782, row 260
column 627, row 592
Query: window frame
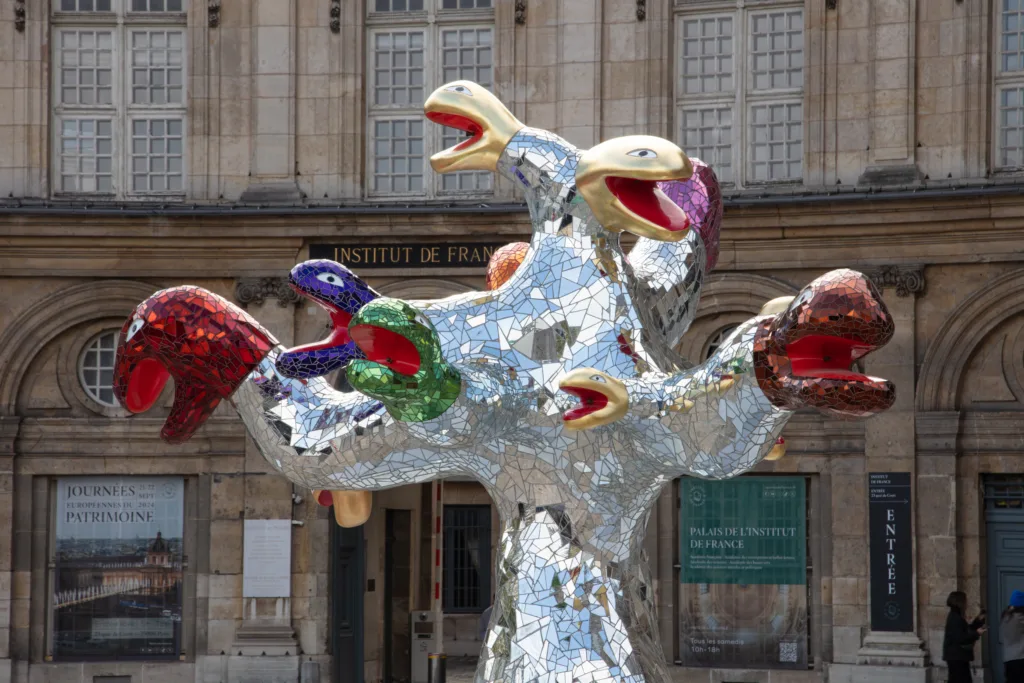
column 122, row 23
column 742, row 98
column 486, row 570
column 432, row 21
column 1001, row 82
column 80, row 362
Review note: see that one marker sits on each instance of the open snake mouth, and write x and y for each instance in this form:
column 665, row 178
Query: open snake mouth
column 141, row 384
column 644, row 199
column 824, row 357
column 339, row 323
column 387, row 348
column 473, row 129
column 591, row 401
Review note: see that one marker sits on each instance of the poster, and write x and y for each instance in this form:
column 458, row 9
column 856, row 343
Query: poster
column 744, row 572
column 267, row 563
column 118, row 576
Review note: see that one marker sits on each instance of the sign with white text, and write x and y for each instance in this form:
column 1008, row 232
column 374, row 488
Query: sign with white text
column 118, row 571
column 744, row 572
column 891, row 543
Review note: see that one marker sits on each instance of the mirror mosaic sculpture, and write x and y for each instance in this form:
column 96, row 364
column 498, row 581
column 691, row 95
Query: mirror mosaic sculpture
column 557, row 388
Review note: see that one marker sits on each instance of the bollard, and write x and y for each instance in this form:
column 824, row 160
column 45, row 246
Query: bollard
column 437, row 668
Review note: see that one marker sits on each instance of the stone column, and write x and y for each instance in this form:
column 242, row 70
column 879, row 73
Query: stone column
column 8, row 433
column 266, row 626
column 937, row 543
column 273, row 48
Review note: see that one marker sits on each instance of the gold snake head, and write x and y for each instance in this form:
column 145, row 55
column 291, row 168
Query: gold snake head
column 619, row 180
column 470, row 107
column 603, row 398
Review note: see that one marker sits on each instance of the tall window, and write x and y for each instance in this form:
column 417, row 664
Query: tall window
column 119, row 97
column 416, row 46
column 467, row 558
column 1009, row 88
column 739, row 92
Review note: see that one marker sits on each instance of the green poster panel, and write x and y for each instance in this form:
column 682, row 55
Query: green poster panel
column 746, row 531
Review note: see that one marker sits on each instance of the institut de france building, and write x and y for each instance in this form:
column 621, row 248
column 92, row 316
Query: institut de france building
column 150, row 143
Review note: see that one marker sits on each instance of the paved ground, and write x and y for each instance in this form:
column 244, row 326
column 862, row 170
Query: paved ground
column 461, row 669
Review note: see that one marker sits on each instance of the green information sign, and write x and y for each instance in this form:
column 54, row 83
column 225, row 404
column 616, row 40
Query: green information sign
column 750, row 530
column 744, row 572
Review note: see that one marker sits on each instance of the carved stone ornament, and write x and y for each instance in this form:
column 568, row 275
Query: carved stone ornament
column 521, row 12
column 830, row 4
column 335, row 16
column 213, row 13
column 19, row 16
column 906, row 281
column 256, row 290
column 641, row 10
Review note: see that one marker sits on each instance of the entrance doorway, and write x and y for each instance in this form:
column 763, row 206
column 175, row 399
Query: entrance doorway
column 348, row 581
column 397, row 596
column 1004, row 524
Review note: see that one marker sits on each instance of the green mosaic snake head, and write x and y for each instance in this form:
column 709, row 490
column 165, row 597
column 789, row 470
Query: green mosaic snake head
column 403, row 368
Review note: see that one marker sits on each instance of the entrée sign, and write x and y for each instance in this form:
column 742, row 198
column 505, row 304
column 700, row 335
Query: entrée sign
column 447, row 255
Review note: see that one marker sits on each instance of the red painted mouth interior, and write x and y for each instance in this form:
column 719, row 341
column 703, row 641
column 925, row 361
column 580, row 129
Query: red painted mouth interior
column 339, row 333
column 643, row 198
column 591, row 401
column 388, row 348
column 825, row 357
column 325, row 499
column 146, row 382
column 459, row 123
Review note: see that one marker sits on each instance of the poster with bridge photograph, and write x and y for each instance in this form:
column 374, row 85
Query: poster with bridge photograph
column 118, row 576
column 743, row 601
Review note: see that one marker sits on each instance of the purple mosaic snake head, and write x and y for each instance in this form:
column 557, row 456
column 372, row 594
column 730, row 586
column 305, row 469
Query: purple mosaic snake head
column 700, row 197
column 341, row 293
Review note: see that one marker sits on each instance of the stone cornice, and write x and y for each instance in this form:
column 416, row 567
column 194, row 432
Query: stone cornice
column 136, row 437
column 256, row 290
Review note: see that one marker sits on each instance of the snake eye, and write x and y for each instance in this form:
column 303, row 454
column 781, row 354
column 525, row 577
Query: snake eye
column 598, row 378
column 643, row 153
column 461, row 89
column 329, row 278
column 134, row 328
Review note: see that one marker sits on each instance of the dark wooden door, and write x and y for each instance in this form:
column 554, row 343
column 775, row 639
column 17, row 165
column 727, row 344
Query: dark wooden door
column 348, row 582
column 1005, row 575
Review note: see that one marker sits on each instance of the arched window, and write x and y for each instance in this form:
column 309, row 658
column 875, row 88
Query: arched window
column 717, row 340
column 96, row 368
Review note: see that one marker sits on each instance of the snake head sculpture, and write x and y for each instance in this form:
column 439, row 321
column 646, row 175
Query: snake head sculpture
column 619, row 179
column 403, row 368
column 202, row 341
column 471, row 108
column 341, row 293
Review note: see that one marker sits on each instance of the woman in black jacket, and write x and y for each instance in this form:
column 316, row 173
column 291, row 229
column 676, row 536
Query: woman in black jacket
column 960, row 637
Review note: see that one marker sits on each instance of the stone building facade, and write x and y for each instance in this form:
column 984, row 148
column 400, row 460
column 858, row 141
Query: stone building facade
column 148, row 143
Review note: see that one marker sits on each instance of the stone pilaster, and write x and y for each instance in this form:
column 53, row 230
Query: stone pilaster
column 273, row 53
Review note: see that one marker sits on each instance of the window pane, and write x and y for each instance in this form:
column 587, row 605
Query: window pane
column 1011, row 41
column 398, row 5
column 156, row 158
column 466, row 55
column 1011, row 127
column 85, row 67
column 85, row 5
column 707, row 134
column 118, row 567
column 157, row 6
column 706, row 55
column 398, row 69
column 86, row 156
column 467, row 558
column 96, row 366
column 776, row 147
column 157, row 58
column 398, row 160
column 776, row 50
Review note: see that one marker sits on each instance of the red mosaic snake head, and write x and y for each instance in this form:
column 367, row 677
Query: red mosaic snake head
column 204, row 342
column 803, row 357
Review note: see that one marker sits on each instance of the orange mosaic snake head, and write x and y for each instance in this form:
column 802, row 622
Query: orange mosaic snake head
column 803, row 356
